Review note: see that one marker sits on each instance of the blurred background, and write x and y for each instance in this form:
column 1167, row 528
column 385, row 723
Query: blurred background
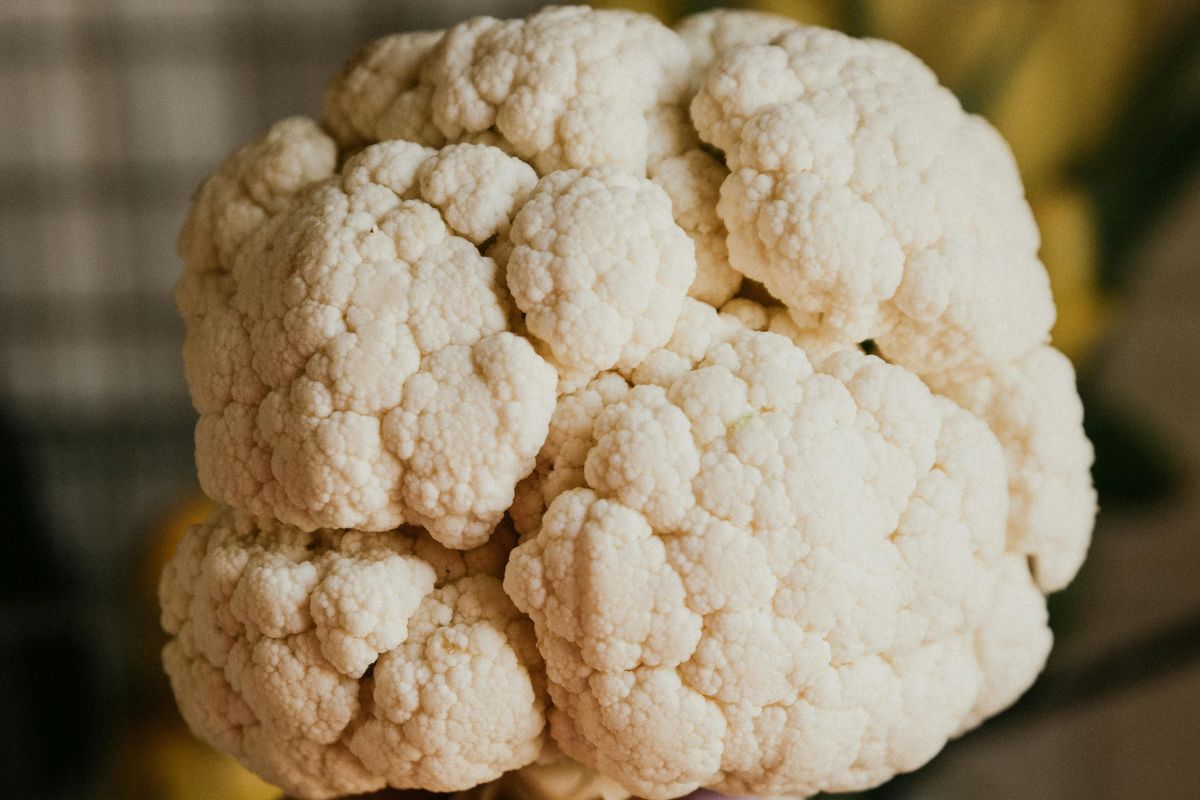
column 112, row 112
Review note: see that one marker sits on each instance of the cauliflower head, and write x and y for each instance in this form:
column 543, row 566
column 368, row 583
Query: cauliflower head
column 336, row 662
column 739, row 326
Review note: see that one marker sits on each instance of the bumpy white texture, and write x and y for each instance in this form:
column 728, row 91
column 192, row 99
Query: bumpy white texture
column 710, row 34
column 337, row 662
column 347, row 345
column 776, row 319
column 763, row 566
column 476, row 187
column 1032, row 407
column 255, row 183
column 567, row 87
column 693, row 181
column 378, row 95
column 599, row 268
column 765, row 579
column 867, row 201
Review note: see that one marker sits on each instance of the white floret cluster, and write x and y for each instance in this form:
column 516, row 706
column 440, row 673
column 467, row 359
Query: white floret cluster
column 680, row 401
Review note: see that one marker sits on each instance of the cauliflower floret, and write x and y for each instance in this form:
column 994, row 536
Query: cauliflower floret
column 560, row 463
column 337, row 662
column 693, row 181
column 767, row 579
column 1032, row 407
column 567, row 87
column 599, row 267
column 349, row 349
column 1011, row 643
column 477, row 188
column 750, row 314
column 855, row 197
column 710, row 34
column 455, row 705
column 378, row 96
column 255, row 183
column 773, row 317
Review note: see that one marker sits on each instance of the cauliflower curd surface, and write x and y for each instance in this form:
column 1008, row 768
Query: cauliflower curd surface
column 533, row 391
